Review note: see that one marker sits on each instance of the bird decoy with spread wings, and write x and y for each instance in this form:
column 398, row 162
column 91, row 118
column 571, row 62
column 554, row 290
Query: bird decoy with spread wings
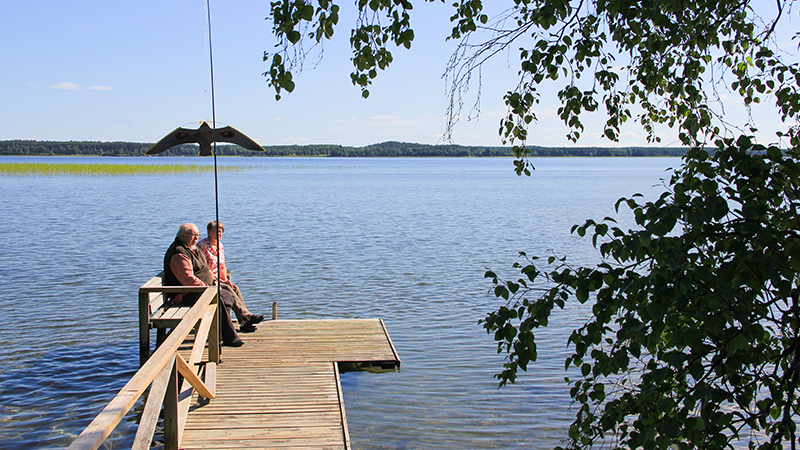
column 204, row 136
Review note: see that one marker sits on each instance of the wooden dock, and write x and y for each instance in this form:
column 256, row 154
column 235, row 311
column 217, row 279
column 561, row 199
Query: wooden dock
column 282, row 388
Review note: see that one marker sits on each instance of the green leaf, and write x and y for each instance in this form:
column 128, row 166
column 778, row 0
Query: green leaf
column 308, row 12
column 501, row 291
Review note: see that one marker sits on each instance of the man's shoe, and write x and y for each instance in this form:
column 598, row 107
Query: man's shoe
column 234, row 343
column 247, row 328
column 255, row 318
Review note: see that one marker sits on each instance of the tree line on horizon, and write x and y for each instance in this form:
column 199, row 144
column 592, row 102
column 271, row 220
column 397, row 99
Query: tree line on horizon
column 384, row 149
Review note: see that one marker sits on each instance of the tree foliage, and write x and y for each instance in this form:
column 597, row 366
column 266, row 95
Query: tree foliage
column 693, row 339
column 655, row 62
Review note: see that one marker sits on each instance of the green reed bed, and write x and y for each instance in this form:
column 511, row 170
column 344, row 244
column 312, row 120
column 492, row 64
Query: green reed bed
column 110, row 169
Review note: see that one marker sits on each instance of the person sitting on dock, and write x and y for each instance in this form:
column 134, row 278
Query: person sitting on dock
column 185, row 265
column 247, row 320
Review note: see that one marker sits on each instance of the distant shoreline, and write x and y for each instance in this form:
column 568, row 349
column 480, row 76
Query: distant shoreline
column 384, row 149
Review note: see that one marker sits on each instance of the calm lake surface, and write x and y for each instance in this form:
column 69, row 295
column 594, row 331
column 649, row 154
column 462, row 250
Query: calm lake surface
column 406, row 240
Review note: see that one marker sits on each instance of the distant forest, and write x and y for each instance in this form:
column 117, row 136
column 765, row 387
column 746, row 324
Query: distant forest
column 52, row 148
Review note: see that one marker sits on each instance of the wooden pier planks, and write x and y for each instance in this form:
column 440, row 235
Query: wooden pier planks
column 282, row 389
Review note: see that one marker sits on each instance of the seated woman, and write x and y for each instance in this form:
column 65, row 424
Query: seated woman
column 208, row 246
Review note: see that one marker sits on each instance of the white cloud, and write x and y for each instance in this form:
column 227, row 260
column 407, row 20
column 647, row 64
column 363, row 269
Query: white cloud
column 386, row 118
column 632, row 136
column 394, row 121
column 66, row 85
column 296, row 139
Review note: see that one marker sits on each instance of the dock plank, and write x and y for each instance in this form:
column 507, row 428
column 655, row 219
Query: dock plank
column 282, row 388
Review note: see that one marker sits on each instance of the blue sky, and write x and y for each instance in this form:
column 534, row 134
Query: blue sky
column 133, row 71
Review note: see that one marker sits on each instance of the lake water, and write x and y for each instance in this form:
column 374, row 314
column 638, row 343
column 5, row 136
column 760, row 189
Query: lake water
column 406, row 240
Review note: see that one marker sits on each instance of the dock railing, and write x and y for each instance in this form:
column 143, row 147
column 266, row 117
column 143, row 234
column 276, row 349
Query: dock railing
column 160, row 373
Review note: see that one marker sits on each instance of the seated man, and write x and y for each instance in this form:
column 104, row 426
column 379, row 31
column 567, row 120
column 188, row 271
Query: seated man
column 184, row 265
column 247, row 320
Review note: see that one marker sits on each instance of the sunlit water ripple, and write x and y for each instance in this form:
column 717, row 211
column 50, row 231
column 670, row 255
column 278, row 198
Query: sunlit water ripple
column 406, row 240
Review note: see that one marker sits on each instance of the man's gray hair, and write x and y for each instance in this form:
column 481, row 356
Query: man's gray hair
column 184, row 229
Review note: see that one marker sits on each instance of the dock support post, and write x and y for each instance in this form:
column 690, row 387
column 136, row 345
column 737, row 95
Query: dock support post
column 274, row 310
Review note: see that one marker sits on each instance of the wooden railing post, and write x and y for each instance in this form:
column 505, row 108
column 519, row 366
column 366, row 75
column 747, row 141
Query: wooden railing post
column 213, row 335
column 171, row 435
column 144, row 327
column 152, row 408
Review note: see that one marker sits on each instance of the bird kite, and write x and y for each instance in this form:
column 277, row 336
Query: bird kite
column 204, row 136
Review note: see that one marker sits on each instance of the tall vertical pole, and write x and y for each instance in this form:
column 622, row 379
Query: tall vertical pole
column 216, row 177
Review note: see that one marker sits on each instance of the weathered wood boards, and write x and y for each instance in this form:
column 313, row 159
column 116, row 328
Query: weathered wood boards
column 282, row 389
column 99, row 429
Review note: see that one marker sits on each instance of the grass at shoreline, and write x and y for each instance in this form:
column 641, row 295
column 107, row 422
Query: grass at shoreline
column 20, row 169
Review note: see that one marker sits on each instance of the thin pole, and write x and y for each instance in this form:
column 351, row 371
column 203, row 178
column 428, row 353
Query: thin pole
column 216, row 180
column 213, row 125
